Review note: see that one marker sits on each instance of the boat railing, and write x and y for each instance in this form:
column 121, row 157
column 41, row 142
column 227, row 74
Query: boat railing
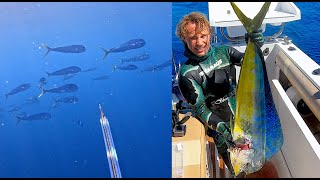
column 242, row 38
column 221, row 16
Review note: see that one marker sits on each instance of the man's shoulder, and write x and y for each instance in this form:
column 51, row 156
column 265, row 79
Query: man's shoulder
column 222, row 47
column 188, row 68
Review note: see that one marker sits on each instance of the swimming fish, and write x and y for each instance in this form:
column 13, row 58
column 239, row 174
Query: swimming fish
column 256, row 130
column 89, row 69
column 158, row 67
column 68, row 76
column 127, row 67
column 42, row 81
column 101, row 78
column 32, row 100
column 131, row 44
column 163, row 65
column 16, row 108
column 65, row 71
column 67, row 100
column 66, row 49
column 150, row 69
column 67, row 88
column 20, row 88
column 141, row 57
column 38, row 116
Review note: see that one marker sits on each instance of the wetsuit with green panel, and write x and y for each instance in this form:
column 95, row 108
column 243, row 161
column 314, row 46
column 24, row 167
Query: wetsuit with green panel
column 208, row 84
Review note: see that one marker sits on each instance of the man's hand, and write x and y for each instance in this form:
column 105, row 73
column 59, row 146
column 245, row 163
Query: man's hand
column 224, row 129
column 256, row 37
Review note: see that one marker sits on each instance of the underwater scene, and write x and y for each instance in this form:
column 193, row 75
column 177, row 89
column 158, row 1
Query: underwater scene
column 59, row 61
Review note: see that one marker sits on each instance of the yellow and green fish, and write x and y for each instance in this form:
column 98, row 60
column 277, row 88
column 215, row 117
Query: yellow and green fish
column 256, row 129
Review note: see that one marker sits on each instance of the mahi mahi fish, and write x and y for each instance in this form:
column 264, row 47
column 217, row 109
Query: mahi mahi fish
column 21, row 88
column 66, row 49
column 131, row 44
column 38, row 116
column 256, row 130
column 67, row 88
column 65, row 71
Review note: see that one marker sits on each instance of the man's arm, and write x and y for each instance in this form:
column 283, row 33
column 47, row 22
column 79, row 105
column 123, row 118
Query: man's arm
column 236, row 56
column 193, row 93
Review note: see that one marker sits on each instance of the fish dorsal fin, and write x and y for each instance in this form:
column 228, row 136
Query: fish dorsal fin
column 248, row 23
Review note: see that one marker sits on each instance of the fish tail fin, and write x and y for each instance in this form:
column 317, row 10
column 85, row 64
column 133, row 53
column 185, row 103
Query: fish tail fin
column 255, row 23
column 47, row 73
column 114, row 67
column 257, row 20
column 48, row 49
column 106, row 53
column 18, row 120
column 42, row 92
column 55, row 103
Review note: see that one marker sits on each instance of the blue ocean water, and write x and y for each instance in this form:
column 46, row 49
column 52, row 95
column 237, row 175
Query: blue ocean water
column 137, row 104
column 304, row 32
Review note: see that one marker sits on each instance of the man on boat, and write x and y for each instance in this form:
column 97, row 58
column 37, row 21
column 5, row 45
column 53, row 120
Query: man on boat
column 207, row 80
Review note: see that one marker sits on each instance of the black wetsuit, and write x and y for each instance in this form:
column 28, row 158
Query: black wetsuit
column 209, row 83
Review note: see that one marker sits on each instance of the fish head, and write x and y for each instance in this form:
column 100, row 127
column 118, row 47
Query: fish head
column 82, row 48
column 43, row 80
column 139, row 43
column 25, row 86
column 240, row 159
column 72, row 87
column 46, row 116
column 146, row 56
column 132, row 66
column 135, row 67
column 77, row 69
column 73, row 99
column 244, row 157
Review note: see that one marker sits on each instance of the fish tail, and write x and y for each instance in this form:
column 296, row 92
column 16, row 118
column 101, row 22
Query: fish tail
column 106, row 53
column 114, row 67
column 250, row 25
column 42, row 92
column 18, row 120
column 47, row 73
column 55, row 103
column 48, row 49
column 255, row 23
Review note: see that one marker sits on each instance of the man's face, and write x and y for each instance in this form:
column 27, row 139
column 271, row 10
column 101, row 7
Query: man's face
column 199, row 43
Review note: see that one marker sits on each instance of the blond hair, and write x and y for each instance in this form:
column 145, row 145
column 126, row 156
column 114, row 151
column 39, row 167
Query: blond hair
column 198, row 18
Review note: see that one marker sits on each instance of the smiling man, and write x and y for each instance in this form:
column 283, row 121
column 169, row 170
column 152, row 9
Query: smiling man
column 207, row 80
